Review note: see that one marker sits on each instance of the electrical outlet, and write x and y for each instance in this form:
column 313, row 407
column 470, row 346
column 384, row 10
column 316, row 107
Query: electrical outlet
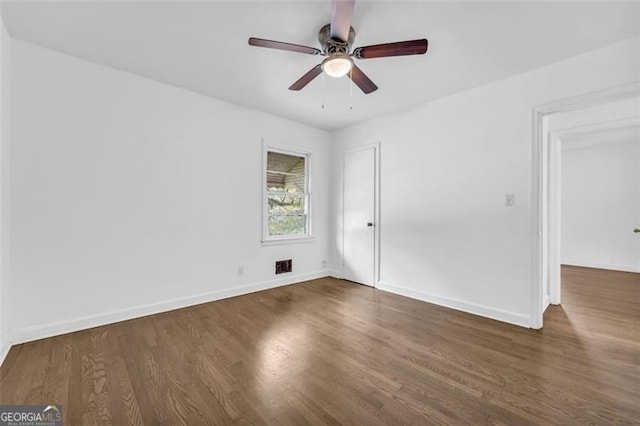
column 324, row 264
column 509, row 200
column 240, row 270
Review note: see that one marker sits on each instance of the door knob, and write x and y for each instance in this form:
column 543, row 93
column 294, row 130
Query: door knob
column 371, row 224
column 636, row 230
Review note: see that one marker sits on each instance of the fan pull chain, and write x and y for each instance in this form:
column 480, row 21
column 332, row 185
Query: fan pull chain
column 323, row 90
column 351, row 88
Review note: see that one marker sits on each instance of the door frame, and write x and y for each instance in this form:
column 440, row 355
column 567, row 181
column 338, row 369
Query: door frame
column 541, row 147
column 376, row 207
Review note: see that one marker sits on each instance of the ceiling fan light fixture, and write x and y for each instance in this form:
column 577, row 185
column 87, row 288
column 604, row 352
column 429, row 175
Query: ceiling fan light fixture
column 337, row 65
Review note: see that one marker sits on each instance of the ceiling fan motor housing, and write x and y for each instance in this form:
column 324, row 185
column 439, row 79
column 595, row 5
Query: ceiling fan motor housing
column 332, row 46
column 336, row 43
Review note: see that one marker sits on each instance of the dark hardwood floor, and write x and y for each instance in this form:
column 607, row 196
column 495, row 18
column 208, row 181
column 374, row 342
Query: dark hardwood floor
column 329, row 351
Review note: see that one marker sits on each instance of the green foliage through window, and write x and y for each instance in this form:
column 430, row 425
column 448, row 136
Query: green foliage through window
column 287, row 197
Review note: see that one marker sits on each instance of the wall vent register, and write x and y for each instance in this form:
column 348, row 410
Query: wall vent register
column 283, row 266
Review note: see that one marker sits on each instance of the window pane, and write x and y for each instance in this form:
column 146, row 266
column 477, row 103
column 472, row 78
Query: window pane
column 285, row 172
column 287, row 194
column 287, row 225
column 286, row 204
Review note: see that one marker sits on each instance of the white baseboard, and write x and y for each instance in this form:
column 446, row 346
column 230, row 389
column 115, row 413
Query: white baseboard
column 460, row 305
column 42, row 331
column 545, row 302
column 335, row 273
column 623, row 268
column 4, row 350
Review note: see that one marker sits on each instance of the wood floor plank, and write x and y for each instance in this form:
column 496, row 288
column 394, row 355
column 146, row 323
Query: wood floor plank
column 332, row 352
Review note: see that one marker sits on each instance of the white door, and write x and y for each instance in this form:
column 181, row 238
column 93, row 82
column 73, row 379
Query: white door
column 359, row 216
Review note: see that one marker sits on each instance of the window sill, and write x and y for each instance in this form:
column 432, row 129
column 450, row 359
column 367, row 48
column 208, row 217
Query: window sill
column 283, row 241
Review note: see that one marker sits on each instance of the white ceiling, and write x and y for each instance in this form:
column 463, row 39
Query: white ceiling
column 202, row 46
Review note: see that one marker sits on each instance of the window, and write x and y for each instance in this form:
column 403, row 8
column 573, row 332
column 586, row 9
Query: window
column 286, row 195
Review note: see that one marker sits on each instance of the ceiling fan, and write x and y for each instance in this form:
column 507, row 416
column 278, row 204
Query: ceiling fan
column 336, row 39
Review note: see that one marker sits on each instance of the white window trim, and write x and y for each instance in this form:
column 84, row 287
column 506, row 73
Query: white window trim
column 267, row 239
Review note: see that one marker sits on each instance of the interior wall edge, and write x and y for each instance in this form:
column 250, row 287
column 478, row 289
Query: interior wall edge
column 335, row 274
column 6, row 42
column 160, row 83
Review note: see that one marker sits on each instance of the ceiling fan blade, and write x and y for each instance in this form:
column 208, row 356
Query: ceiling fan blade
column 341, row 13
column 361, row 80
column 400, row 48
column 271, row 44
column 306, row 79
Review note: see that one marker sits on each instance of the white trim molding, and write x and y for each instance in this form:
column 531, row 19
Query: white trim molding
column 608, row 266
column 4, row 351
column 539, row 168
column 308, row 237
column 510, row 317
column 335, row 274
column 42, row 331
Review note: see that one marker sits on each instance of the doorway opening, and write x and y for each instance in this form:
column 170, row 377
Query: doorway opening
column 577, row 119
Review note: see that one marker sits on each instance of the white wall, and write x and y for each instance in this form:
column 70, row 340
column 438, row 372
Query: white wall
column 446, row 236
column 131, row 196
column 601, row 205
column 5, row 79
